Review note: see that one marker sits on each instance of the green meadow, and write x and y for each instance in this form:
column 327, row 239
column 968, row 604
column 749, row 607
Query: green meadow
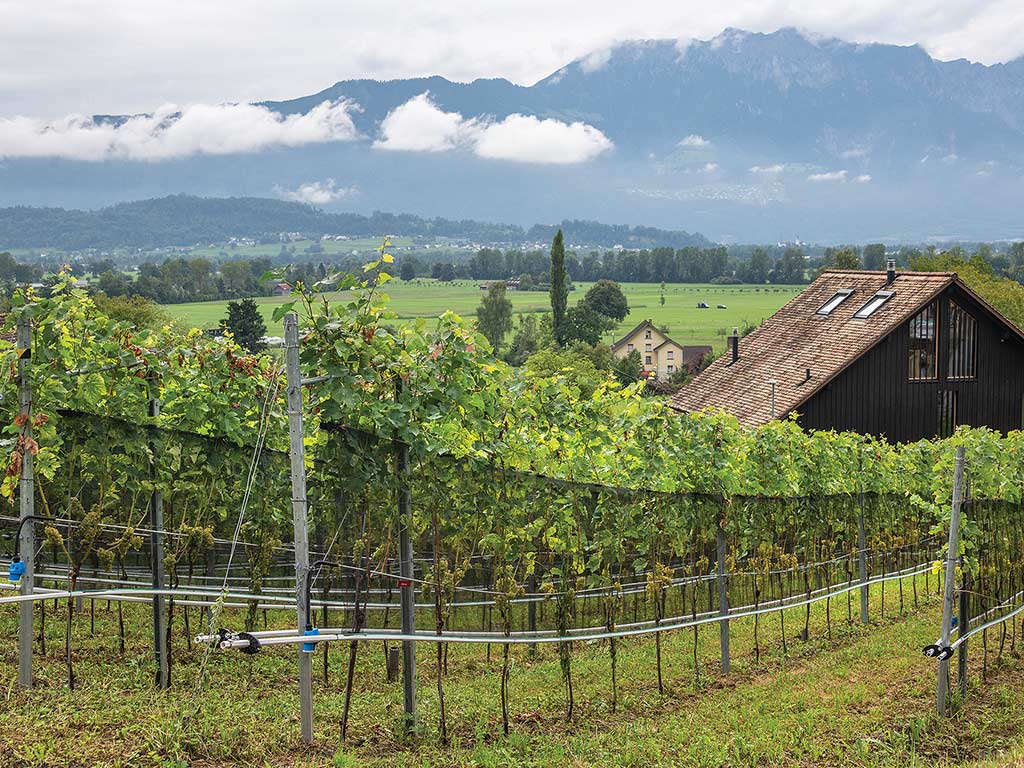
column 686, row 323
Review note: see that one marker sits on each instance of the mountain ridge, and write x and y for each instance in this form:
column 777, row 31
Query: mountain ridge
column 746, row 136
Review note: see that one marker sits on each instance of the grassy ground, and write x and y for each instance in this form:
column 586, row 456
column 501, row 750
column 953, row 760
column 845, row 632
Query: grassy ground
column 685, row 323
column 863, row 698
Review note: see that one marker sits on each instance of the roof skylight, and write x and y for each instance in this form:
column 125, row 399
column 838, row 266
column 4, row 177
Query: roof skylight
column 873, row 305
column 835, row 301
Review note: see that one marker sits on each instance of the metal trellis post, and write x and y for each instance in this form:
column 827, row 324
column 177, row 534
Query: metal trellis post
column 723, row 598
column 963, row 627
column 952, row 555
column 156, row 549
column 297, row 452
column 406, row 593
column 862, row 560
column 26, row 503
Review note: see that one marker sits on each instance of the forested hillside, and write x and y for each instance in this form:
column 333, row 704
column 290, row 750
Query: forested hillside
column 189, row 220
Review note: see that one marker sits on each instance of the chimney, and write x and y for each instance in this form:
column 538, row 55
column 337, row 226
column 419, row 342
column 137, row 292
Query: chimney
column 734, row 344
column 890, row 271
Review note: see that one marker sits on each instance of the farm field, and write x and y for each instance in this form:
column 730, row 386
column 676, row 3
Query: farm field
column 684, row 322
column 864, row 699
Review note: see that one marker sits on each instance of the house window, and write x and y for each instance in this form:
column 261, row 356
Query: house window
column 947, row 412
column 961, row 344
column 648, row 360
column 671, row 368
column 647, row 334
column 923, row 344
column 671, row 354
column 629, row 347
column 873, row 305
column 647, row 348
column 835, row 301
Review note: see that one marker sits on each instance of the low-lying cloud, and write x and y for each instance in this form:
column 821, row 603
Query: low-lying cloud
column 527, row 139
column 316, row 192
column 419, row 125
column 172, row 132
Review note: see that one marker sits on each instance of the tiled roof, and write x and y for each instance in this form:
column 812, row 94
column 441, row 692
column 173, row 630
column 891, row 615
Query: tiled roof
column 796, row 338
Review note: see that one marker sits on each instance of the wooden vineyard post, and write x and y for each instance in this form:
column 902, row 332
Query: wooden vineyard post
column 862, row 560
column 26, row 505
column 156, row 549
column 952, row 555
column 723, row 597
column 297, row 452
column 406, row 593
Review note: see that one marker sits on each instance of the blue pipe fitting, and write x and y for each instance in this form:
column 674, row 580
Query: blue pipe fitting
column 310, row 647
column 16, row 571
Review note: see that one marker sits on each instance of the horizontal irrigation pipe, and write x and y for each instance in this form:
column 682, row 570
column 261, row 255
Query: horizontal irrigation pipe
column 274, row 592
column 735, row 611
column 272, row 602
column 987, row 625
column 491, row 638
column 271, row 593
column 125, row 598
column 992, row 623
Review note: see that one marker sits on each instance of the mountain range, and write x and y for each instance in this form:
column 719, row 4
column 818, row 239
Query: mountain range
column 744, row 137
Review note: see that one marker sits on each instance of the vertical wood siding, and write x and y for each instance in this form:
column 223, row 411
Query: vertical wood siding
column 873, row 396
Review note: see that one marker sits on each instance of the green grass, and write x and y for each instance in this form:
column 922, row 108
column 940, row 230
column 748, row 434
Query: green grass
column 865, row 697
column 685, row 323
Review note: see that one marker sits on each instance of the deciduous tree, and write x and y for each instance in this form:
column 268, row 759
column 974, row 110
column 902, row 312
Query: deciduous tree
column 494, row 317
column 605, row 297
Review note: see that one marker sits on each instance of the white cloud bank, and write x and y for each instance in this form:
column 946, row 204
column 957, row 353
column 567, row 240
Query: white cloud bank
column 316, row 192
column 172, row 132
column 419, row 125
column 527, row 139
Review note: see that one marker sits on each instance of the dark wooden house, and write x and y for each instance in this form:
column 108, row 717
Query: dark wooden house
column 907, row 355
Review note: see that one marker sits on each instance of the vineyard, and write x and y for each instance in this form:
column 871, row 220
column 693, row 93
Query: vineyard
column 398, row 494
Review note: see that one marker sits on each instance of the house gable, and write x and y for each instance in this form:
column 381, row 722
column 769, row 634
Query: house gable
column 822, row 333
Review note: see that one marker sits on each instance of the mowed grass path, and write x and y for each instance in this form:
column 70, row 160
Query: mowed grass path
column 685, row 323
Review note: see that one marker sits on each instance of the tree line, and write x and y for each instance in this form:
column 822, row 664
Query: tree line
column 690, row 264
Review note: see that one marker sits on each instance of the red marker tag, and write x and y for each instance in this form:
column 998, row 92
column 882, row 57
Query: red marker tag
column 404, row 583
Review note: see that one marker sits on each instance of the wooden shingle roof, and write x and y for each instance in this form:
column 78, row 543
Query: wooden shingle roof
column 796, row 338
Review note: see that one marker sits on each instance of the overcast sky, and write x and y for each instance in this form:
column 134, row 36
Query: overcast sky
column 122, row 56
